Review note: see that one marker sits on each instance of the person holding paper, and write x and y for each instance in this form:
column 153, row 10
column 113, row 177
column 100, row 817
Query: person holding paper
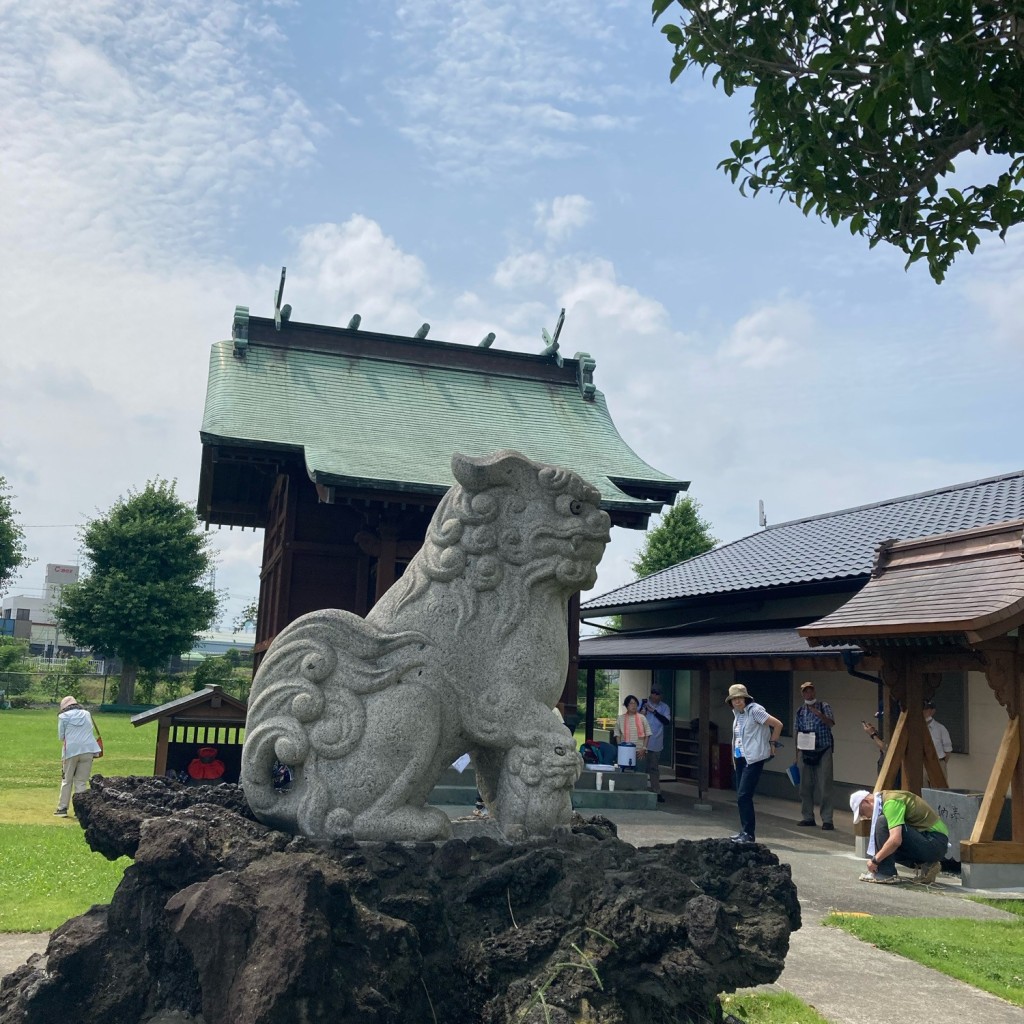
column 814, row 721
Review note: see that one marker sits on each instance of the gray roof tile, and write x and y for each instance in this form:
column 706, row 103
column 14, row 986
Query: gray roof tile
column 835, row 546
column 679, row 647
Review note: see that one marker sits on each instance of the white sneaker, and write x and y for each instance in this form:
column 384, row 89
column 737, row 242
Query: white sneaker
column 868, row 876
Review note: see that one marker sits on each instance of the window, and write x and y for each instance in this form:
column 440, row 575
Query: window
column 23, row 614
column 951, row 708
column 772, row 690
column 665, row 678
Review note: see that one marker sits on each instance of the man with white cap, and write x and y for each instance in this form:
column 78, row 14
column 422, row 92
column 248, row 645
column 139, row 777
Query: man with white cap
column 904, row 830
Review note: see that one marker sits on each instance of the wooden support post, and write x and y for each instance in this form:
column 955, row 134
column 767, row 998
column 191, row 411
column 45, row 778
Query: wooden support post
column 1006, row 762
column 570, row 697
column 591, row 703
column 894, row 755
column 704, row 734
column 386, row 558
column 917, row 732
column 1017, row 780
column 162, row 738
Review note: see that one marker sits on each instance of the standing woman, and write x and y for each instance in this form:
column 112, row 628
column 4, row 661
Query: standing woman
column 633, row 728
column 78, row 748
column 755, row 735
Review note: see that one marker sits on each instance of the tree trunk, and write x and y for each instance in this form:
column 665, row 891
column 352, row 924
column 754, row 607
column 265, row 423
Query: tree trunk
column 126, row 691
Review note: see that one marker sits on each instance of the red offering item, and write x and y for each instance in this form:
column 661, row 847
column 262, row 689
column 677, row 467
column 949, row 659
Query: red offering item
column 206, row 766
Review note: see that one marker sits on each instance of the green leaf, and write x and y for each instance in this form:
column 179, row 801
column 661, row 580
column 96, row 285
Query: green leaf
column 674, row 34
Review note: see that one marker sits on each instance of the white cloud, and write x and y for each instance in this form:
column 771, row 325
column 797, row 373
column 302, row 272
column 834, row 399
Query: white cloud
column 522, row 269
column 489, row 85
column 768, row 337
column 341, row 269
column 130, row 126
column 562, row 216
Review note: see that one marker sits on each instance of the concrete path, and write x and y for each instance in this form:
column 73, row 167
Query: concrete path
column 845, row 980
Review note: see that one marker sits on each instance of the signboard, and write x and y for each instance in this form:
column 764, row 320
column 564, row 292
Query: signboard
column 61, row 574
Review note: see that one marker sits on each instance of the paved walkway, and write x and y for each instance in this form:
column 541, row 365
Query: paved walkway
column 845, row 980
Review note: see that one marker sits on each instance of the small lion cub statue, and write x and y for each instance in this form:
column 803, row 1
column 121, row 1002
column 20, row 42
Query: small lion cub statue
column 468, row 651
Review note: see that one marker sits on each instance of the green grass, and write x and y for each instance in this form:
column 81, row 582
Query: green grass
column 47, row 871
column 770, row 1008
column 32, row 750
column 49, row 874
column 986, row 954
column 1010, row 906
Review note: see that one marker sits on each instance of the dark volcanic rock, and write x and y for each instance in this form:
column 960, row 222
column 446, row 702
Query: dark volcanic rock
column 225, row 921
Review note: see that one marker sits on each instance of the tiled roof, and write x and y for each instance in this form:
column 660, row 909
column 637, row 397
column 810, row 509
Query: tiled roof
column 394, row 420
column 836, row 546
column 677, row 647
column 970, row 583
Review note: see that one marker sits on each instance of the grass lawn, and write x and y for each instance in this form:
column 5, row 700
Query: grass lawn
column 986, row 954
column 48, row 872
column 770, row 1008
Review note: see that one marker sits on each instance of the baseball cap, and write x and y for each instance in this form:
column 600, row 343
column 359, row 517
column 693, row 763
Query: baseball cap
column 856, row 799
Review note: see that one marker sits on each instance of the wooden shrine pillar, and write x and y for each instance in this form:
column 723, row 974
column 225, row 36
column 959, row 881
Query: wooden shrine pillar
column 910, row 751
column 1004, row 670
column 570, row 693
column 591, row 704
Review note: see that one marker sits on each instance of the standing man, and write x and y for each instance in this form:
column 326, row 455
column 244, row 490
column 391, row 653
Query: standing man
column 904, row 830
column 658, row 715
column 814, row 721
column 940, row 736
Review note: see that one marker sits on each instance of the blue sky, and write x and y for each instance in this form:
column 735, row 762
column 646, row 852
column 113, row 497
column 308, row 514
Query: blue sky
column 476, row 165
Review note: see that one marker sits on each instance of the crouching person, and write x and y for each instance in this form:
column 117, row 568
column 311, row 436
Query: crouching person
column 904, row 830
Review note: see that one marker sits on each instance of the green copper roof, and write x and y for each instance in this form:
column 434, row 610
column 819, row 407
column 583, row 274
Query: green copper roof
column 385, row 423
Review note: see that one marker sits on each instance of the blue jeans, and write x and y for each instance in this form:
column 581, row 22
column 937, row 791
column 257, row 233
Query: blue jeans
column 917, row 848
column 747, row 778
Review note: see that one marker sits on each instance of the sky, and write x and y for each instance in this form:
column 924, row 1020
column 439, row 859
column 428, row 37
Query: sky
column 478, row 165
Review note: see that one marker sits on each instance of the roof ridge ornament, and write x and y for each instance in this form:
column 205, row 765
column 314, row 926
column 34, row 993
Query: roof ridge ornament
column 551, row 340
column 240, row 330
column 281, row 312
column 585, row 374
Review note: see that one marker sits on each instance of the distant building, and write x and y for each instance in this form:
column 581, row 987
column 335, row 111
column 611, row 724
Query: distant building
column 32, row 618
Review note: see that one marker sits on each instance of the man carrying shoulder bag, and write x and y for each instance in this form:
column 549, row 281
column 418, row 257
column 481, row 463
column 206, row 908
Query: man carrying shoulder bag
column 814, row 721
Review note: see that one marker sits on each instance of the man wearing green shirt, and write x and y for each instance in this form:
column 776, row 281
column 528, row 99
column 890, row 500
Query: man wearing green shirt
column 904, row 830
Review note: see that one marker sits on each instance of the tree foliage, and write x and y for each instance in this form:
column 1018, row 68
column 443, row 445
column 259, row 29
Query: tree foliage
column 860, row 110
column 681, row 534
column 247, row 616
column 15, row 667
column 213, row 672
column 146, row 595
column 12, row 539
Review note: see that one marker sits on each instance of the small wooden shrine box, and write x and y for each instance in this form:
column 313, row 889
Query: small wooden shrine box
column 207, row 718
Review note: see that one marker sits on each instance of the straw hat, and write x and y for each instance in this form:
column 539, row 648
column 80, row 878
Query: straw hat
column 67, row 702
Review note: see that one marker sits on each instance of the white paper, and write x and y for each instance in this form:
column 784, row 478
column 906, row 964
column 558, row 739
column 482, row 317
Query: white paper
column 805, row 740
column 461, row 764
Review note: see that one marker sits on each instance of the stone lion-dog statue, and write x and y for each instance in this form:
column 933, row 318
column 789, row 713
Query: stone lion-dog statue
column 467, row 652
